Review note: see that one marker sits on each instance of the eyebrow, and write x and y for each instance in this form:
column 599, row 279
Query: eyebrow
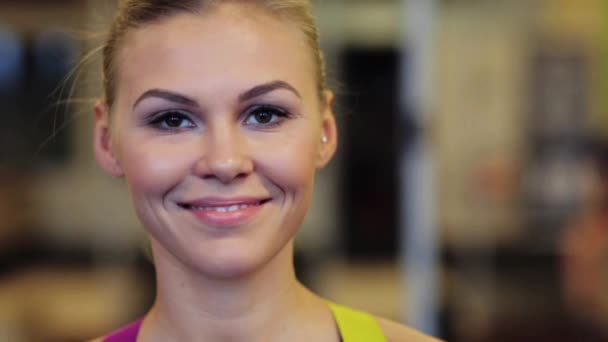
column 254, row 92
column 167, row 95
column 267, row 88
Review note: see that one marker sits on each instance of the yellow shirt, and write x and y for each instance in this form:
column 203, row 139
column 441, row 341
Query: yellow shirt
column 356, row 326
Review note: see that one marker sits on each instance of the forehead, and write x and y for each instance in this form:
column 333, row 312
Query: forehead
column 231, row 47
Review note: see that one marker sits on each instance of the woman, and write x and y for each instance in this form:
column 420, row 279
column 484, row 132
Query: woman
column 217, row 115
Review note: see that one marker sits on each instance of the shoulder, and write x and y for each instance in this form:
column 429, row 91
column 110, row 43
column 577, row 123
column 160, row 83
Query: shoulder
column 396, row 332
column 351, row 321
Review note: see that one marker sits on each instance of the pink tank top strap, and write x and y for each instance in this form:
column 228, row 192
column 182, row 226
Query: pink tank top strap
column 126, row 334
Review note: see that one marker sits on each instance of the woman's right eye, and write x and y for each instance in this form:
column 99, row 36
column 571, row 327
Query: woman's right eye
column 172, row 120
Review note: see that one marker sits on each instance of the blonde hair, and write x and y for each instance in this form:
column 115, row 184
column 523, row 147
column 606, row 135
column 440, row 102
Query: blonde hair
column 133, row 14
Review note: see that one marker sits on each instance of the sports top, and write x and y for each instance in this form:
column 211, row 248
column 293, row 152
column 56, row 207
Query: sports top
column 354, row 326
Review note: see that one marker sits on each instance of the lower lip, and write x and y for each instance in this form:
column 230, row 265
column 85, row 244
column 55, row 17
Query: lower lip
column 226, row 219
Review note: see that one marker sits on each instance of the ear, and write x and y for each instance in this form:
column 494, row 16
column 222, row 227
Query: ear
column 102, row 142
column 328, row 141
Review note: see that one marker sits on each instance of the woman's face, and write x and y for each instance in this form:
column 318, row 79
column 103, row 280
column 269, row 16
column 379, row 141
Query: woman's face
column 217, row 127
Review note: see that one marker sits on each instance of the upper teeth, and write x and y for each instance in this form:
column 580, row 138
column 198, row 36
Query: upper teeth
column 234, row 207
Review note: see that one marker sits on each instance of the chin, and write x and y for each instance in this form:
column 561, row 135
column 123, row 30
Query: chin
column 239, row 255
column 227, row 261
column 230, row 266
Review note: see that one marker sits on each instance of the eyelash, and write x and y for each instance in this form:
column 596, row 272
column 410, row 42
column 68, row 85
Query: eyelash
column 160, row 120
column 278, row 115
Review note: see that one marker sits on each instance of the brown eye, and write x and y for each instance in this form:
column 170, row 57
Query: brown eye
column 172, row 121
column 265, row 116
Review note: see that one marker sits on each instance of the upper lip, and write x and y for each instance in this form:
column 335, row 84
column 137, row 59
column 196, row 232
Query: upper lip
column 224, row 201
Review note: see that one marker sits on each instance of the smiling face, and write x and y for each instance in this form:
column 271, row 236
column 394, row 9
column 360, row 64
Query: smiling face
column 217, row 127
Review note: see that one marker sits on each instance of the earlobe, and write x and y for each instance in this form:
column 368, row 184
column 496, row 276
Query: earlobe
column 102, row 142
column 329, row 133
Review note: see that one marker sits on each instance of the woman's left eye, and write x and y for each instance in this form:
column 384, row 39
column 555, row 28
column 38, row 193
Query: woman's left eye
column 265, row 116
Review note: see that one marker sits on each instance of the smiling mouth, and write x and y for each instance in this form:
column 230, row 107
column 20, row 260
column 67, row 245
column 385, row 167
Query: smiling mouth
column 225, row 213
column 222, row 208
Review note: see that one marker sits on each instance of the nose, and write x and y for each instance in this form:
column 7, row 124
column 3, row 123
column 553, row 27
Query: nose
column 224, row 157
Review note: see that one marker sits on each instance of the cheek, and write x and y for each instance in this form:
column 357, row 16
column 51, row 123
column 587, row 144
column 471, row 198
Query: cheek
column 153, row 168
column 291, row 165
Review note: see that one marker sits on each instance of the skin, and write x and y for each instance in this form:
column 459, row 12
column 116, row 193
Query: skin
column 222, row 282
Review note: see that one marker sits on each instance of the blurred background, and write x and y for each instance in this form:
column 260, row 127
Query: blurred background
column 469, row 197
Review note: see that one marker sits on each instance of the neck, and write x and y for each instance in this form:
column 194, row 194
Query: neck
column 192, row 307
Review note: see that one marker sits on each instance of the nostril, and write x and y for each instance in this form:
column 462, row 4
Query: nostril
column 226, row 169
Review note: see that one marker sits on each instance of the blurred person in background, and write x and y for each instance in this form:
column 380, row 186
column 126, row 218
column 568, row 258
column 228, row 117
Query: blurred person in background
column 584, row 247
column 217, row 115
